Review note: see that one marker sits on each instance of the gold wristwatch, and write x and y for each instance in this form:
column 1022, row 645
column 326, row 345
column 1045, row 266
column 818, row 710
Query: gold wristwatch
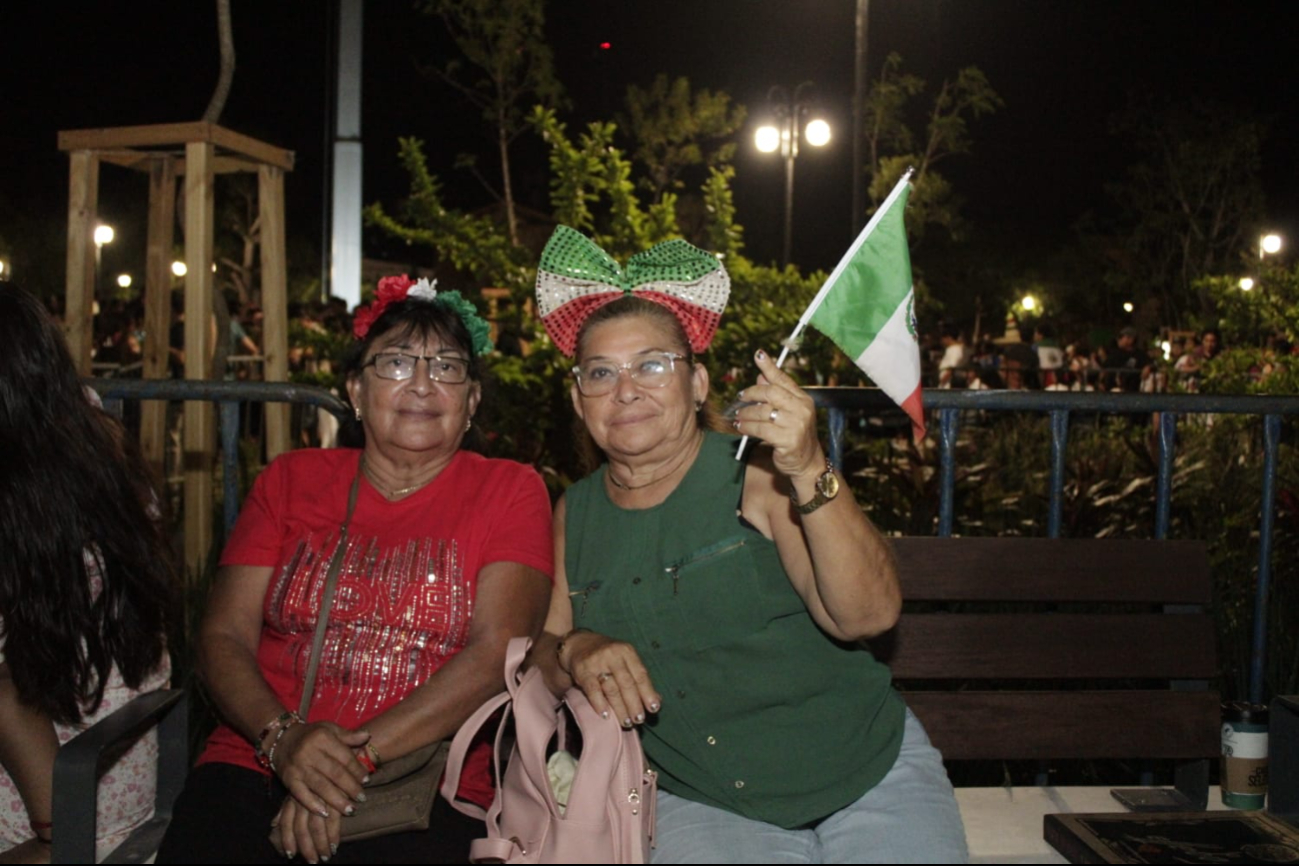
column 827, row 488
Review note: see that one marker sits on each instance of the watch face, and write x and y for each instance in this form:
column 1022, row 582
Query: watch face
column 828, row 484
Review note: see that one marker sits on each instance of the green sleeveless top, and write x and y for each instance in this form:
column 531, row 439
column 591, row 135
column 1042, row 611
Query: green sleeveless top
column 763, row 714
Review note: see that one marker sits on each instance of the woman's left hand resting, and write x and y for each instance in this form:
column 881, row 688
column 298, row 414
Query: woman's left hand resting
column 612, row 676
column 783, row 416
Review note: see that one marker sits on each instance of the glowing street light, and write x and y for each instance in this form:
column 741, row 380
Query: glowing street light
column 1029, row 303
column 1246, row 283
column 817, row 133
column 104, row 234
column 1127, row 306
column 788, row 112
column 179, row 268
column 767, row 139
column 1269, row 244
column 124, row 280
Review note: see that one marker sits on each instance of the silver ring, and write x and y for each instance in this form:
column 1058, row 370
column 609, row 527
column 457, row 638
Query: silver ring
column 772, row 416
column 604, row 676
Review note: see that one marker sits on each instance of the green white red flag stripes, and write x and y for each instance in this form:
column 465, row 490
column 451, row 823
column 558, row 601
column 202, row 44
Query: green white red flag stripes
column 867, row 307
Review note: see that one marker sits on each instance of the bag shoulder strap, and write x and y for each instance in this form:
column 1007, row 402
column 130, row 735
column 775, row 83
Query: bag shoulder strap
column 515, row 653
column 327, row 598
column 460, row 748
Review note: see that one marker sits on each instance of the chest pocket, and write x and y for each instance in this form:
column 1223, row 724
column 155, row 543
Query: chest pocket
column 713, row 595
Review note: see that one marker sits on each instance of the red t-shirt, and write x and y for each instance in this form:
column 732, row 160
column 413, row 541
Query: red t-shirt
column 406, row 592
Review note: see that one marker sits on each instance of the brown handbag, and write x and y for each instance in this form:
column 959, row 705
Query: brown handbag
column 399, row 795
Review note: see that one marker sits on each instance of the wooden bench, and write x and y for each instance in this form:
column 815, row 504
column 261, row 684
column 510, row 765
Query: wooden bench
column 1044, row 651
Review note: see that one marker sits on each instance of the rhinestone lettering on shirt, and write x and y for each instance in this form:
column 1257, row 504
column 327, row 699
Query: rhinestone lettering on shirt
column 399, row 613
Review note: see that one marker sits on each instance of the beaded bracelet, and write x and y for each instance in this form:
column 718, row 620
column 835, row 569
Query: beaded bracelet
column 270, row 753
column 559, row 648
column 366, row 761
column 38, row 826
column 277, row 723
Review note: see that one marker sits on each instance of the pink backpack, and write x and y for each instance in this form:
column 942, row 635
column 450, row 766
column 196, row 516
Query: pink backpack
column 610, row 812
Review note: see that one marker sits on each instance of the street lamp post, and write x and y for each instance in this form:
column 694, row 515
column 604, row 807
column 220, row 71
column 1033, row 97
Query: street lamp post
column 789, row 111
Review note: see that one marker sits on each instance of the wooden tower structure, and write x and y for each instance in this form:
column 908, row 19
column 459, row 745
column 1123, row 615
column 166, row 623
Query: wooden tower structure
column 194, row 153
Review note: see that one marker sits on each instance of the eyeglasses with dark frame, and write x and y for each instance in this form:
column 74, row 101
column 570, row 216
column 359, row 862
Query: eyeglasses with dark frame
column 649, row 370
column 400, row 366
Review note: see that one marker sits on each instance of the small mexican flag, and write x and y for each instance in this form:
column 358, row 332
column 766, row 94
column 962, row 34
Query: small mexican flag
column 867, row 307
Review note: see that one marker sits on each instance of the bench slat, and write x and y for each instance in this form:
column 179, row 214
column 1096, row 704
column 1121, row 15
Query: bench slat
column 1088, row 725
column 1050, row 646
column 1058, row 570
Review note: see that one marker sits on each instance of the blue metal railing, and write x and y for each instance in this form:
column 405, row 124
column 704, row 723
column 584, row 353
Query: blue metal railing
column 1059, row 405
column 227, row 396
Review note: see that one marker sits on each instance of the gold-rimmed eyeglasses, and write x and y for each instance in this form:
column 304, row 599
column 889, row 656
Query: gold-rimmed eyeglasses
column 649, row 370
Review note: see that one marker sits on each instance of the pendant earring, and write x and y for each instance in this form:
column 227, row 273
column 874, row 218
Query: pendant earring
column 358, row 413
column 469, row 422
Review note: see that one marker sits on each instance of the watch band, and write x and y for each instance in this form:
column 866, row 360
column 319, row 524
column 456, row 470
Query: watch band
column 827, row 488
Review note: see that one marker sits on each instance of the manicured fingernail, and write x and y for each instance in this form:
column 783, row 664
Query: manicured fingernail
column 365, row 780
column 333, row 847
column 737, row 423
column 760, row 355
column 324, row 813
column 626, row 723
column 360, row 798
column 289, row 855
column 349, row 811
column 605, row 714
column 640, row 717
column 654, row 707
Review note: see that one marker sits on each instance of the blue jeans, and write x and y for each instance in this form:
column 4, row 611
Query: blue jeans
column 909, row 817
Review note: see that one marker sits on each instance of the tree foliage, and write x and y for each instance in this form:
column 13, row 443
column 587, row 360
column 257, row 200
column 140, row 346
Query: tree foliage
column 1191, row 203
column 675, row 129
column 505, row 41
column 894, row 146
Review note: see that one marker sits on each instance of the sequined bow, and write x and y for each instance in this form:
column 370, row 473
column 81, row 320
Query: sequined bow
column 575, row 278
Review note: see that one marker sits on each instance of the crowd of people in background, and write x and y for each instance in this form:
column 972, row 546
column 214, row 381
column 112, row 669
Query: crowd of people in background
column 1126, row 363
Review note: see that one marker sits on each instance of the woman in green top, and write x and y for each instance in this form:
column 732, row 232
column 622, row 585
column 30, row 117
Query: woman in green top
column 719, row 603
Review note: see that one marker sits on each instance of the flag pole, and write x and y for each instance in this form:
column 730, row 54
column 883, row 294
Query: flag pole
column 834, row 275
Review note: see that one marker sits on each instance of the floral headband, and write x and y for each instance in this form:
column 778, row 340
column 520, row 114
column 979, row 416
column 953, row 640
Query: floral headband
column 394, row 289
column 575, row 278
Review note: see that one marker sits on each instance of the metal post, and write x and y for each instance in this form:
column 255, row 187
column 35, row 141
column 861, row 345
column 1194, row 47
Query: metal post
column 1164, row 491
column 344, row 275
column 230, row 463
column 948, row 422
column 836, row 420
column 1271, row 446
column 791, row 128
column 858, row 119
column 1059, row 439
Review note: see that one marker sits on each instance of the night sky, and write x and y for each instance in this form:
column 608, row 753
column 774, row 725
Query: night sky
column 1036, row 167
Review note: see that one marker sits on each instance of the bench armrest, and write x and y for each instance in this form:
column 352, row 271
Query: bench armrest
column 82, row 760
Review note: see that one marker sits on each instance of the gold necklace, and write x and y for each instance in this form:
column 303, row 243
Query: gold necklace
column 391, row 494
column 608, row 471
